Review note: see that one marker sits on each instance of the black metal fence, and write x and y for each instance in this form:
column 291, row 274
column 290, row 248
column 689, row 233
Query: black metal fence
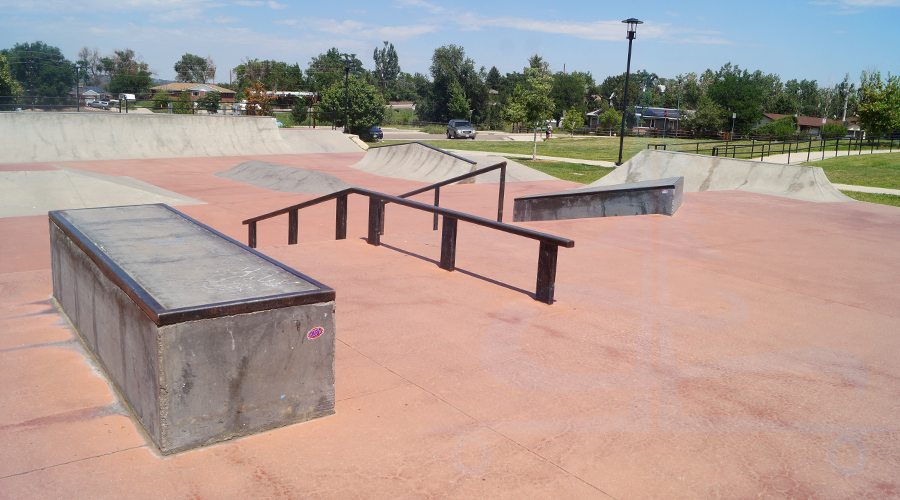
column 800, row 146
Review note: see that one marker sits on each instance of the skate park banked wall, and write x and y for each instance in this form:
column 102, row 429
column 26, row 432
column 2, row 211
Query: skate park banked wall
column 710, row 173
column 45, row 137
column 204, row 339
column 416, row 162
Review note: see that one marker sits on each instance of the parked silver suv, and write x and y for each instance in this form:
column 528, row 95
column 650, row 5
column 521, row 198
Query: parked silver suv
column 460, row 129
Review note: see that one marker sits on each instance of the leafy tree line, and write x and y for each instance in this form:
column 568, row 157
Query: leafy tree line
column 455, row 87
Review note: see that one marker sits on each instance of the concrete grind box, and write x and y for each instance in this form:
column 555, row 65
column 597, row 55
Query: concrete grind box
column 204, row 338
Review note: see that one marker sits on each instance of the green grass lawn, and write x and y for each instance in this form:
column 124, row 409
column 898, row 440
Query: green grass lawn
column 578, row 148
column 575, row 172
column 875, row 170
column 882, row 199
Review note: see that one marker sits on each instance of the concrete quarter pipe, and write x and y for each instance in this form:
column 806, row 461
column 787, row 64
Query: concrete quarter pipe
column 709, row 173
column 45, row 137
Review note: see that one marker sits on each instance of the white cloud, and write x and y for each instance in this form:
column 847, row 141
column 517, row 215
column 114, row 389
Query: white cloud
column 289, row 22
column 365, row 31
column 596, row 30
column 226, row 19
column 872, row 3
column 430, row 7
column 248, row 3
column 276, row 5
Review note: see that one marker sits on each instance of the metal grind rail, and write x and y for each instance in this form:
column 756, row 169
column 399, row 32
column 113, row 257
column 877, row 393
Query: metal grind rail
column 547, row 254
column 437, row 191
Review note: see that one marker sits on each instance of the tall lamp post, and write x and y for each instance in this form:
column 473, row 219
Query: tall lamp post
column 632, row 27
column 678, row 118
column 347, row 63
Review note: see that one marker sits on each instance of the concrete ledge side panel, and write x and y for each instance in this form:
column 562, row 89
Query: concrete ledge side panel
column 111, row 325
column 237, row 375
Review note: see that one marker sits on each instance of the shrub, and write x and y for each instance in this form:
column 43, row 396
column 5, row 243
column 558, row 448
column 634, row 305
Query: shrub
column 834, row 131
column 782, row 126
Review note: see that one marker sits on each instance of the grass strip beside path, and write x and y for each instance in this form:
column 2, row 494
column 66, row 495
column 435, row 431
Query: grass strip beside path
column 575, row 172
column 881, row 170
column 882, row 199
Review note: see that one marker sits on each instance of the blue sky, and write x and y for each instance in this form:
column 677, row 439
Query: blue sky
column 795, row 39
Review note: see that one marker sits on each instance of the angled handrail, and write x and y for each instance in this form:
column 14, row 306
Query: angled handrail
column 547, row 256
column 437, row 190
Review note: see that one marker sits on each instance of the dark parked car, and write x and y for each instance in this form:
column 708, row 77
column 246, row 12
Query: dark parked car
column 460, row 129
column 376, row 133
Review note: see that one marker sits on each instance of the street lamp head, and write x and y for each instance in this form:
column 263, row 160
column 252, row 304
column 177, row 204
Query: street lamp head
column 632, row 27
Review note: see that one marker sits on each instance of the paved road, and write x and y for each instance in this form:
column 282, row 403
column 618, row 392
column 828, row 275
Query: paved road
column 394, row 134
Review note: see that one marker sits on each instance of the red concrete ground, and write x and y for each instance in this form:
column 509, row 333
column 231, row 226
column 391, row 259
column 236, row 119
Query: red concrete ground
column 745, row 348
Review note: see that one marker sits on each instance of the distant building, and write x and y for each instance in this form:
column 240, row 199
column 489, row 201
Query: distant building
column 197, row 90
column 809, row 125
column 89, row 94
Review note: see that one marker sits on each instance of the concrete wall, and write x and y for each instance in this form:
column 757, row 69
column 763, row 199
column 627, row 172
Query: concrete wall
column 37, row 137
column 710, row 173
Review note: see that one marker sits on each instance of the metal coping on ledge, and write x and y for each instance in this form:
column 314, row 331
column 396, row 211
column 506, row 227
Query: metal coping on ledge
column 162, row 316
column 669, row 182
column 427, row 146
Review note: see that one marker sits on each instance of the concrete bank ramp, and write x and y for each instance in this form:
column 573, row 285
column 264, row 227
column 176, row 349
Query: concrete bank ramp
column 38, row 192
column 415, row 161
column 515, row 172
column 710, row 173
column 283, row 178
column 45, row 137
column 323, row 140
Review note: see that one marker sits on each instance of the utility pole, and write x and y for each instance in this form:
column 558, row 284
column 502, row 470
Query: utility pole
column 31, row 77
column 347, row 63
column 678, row 119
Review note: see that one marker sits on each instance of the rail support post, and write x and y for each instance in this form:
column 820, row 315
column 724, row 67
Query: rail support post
column 546, row 275
column 437, row 201
column 340, row 218
column 502, row 192
column 375, row 208
column 381, row 218
column 448, row 244
column 293, row 224
column 251, row 235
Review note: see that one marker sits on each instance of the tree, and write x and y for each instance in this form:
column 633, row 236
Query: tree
column 879, row 102
column 573, row 120
column 458, row 105
column 569, row 90
column 258, row 100
column 41, row 70
column 91, row 72
column 609, row 119
column 708, row 116
column 195, row 69
column 387, row 69
column 275, row 75
column 9, row 87
column 365, row 104
column 326, row 69
column 532, row 101
column 740, row 93
column 183, row 105
column 128, row 73
column 210, row 102
column 787, row 125
column 450, row 65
